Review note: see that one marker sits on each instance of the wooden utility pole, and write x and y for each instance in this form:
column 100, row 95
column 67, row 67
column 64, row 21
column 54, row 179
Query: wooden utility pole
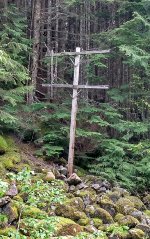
column 75, row 88
column 73, row 113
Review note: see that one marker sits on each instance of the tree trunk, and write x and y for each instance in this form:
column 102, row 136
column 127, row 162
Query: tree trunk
column 35, row 50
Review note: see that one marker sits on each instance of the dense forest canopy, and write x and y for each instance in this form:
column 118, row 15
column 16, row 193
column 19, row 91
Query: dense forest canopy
column 113, row 127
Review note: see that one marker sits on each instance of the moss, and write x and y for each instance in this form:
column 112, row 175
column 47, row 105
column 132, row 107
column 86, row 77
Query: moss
column 138, row 204
column 7, row 231
column 147, row 212
column 137, row 233
column 71, row 208
column 3, row 220
column 67, row 227
column 21, row 166
column 104, row 215
column 88, row 193
column 18, row 198
column 70, row 212
column 11, row 157
column 3, row 145
column 29, row 211
column 97, row 222
column 108, row 205
column 2, row 171
column 128, row 221
column 114, row 196
column 80, row 172
column 124, row 206
column 84, row 221
column 118, row 217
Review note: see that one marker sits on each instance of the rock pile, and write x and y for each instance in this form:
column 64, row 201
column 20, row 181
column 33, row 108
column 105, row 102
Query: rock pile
column 91, row 205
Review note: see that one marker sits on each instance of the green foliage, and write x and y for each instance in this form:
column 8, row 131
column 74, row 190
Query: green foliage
column 40, row 229
column 118, row 230
column 14, row 48
column 39, row 193
column 3, row 188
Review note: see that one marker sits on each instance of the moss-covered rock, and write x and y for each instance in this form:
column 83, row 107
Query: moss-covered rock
column 84, row 221
column 147, row 212
column 108, row 205
column 3, row 145
column 71, row 212
column 88, row 195
column 138, row 204
column 11, row 211
column 146, row 201
column 113, row 195
column 128, row 221
column 97, row 222
column 6, row 231
column 33, row 212
column 118, row 217
column 72, row 208
column 67, row 227
column 12, row 155
column 103, row 215
column 124, row 206
column 137, row 233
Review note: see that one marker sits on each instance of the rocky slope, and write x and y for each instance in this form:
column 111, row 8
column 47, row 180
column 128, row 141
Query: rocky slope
column 45, row 204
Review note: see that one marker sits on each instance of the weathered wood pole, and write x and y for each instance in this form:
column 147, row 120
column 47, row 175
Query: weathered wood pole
column 74, row 113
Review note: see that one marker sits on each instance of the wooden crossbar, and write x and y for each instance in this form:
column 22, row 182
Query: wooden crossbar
column 105, row 87
column 79, row 53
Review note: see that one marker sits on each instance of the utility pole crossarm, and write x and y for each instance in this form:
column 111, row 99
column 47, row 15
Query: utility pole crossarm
column 102, row 87
column 80, row 53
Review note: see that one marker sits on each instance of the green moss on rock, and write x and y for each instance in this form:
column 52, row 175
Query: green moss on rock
column 66, row 227
column 7, row 231
column 33, row 212
column 97, row 222
column 124, row 206
column 128, row 221
column 84, row 221
column 137, row 233
column 3, row 145
column 104, row 215
column 138, row 204
column 147, row 212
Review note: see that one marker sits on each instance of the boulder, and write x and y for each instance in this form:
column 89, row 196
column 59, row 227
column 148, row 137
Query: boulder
column 63, row 170
column 90, row 229
column 108, row 205
column 72, row 208
column 124, row 206
column 11, row 212
column 144, row 228
column 146, row 201
column 136, row 233
column 49, row 177
column 97, row 222
column 4, row 201
column 128, row 221
column 103, row 215
column 138, row 204
column 67, row 227
column 74, row 179
column 88, row 195
column 12, row 191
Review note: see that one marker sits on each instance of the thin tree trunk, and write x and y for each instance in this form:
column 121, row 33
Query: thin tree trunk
column 35, row 50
